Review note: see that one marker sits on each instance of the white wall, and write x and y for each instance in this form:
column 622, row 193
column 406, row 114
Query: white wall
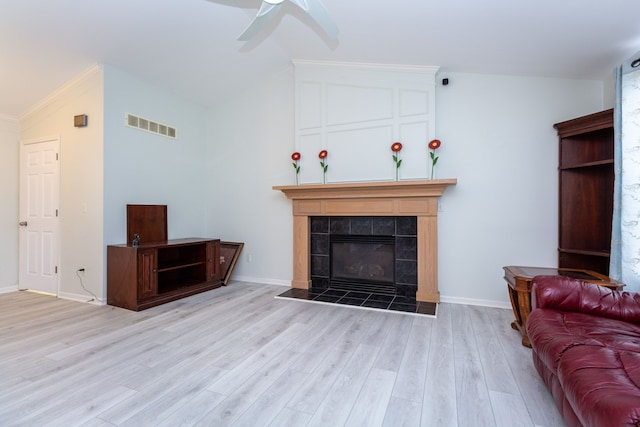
column 145, row 168
column 9, row 153
column 107, row 165
column 251, row 138
column 498, row 140
column 81, row 242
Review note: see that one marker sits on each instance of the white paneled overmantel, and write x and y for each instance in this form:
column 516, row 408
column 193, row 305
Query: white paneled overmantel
column 355, row 112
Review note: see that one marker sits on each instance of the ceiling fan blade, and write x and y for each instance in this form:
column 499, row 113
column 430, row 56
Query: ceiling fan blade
column 319, row 13
column 265, row 14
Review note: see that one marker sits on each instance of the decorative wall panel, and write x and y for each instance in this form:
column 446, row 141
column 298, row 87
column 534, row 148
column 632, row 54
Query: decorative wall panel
column 356, row 104
column 349, row 146
column 310, row 113
column 414, row 102
column 355, row 112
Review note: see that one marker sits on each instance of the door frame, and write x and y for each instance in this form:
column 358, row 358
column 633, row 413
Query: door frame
column 21, row 255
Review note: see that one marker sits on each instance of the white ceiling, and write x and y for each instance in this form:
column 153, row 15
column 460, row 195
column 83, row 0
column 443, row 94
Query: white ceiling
column 190, row 46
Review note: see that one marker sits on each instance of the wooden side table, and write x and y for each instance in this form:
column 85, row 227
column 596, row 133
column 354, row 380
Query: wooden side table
column 519, row 284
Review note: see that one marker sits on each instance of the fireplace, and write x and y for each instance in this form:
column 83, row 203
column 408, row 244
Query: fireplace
column 369, row 254
column 417, row 199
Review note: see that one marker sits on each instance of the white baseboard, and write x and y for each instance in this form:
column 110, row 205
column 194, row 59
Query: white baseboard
column 7, row 289
column 472, row 301
column 451, row 300
column 81, row 298
column 284, row 283
column 262, row 280
column 62, row 295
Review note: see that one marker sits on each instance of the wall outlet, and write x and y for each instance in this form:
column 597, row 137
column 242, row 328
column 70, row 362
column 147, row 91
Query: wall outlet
column 249, row 257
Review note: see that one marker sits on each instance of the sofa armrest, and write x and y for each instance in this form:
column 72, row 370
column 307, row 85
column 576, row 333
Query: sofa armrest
column 569, row 294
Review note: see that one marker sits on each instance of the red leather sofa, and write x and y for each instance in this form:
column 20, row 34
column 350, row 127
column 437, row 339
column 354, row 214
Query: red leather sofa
column 586, row 347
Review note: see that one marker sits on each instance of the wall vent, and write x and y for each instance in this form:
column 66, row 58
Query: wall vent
column 150, row 126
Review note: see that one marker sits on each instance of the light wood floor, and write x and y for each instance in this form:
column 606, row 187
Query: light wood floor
column 238, row 356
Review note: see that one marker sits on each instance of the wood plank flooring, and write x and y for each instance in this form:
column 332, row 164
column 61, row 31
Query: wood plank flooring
column 237, row 356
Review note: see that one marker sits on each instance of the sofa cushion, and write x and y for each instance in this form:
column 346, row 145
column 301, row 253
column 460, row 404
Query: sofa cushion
column 554, row 331
column 568, row 294
column 602, row 385
column 596, row 361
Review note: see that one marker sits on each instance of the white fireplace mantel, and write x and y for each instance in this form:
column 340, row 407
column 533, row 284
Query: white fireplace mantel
column 389, row 198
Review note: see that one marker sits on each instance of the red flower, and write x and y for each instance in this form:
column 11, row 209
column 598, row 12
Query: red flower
column 396, row 146
column 323, row 154
column 296, row 166
column 434, row 144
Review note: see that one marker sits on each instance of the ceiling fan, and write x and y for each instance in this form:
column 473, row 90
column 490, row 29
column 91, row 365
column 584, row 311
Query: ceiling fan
column 314, row 8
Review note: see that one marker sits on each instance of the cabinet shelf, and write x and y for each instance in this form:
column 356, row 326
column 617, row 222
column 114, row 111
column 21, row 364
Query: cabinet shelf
column 602, row 253
column 179, row 266
column 588, row 164
column 168, row 286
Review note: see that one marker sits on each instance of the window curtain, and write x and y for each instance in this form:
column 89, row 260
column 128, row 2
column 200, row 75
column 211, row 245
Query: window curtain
column 625, row 233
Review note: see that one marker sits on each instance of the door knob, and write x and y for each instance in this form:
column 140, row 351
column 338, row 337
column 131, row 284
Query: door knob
column 22, row 223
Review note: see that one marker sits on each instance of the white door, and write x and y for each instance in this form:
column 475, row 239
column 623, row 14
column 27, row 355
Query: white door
column 39, row 197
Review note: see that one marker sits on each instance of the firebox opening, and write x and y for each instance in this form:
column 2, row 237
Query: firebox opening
column 363, row 260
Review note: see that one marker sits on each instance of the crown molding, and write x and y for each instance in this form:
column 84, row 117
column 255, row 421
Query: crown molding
column 431, row 69
column 95, row 68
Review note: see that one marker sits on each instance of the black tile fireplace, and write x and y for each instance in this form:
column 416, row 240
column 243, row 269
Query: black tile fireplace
column 364, row 254
column 369, row 262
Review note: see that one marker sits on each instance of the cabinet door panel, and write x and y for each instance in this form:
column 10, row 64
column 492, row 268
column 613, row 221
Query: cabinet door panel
column 147, row 274
column 213, row 261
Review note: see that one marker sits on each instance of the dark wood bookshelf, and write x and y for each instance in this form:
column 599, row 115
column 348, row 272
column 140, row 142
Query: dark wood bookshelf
column 585, row 196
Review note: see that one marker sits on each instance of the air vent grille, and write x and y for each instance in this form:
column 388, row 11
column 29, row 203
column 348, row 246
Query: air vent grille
column 150, row 126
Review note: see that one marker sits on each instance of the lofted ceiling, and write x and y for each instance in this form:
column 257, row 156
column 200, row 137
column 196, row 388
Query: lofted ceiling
column 190, row 47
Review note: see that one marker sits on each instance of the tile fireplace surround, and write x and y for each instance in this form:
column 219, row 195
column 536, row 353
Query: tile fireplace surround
column 396, row 198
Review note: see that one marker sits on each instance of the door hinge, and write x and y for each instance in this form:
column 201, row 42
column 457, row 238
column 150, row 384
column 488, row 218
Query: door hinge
column 56, row 156
column 56, row 212
column 56, row 269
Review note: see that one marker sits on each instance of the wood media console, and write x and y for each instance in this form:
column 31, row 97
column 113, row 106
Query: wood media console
column 157, row 270
column 396, row 198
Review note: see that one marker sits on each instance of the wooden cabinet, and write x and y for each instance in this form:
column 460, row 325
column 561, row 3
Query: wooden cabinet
column 585, row 191
column 158, row 272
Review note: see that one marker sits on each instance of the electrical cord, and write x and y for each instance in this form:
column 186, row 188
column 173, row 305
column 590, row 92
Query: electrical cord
column 95, row 298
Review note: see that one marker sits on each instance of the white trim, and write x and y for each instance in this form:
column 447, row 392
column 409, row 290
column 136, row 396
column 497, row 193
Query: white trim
column 473, row 301
column 8, row 289
column 262, row 280
column 445, row 299
column 370, row 66
column 80, row 298
column 95, row 68
column 38, row 140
